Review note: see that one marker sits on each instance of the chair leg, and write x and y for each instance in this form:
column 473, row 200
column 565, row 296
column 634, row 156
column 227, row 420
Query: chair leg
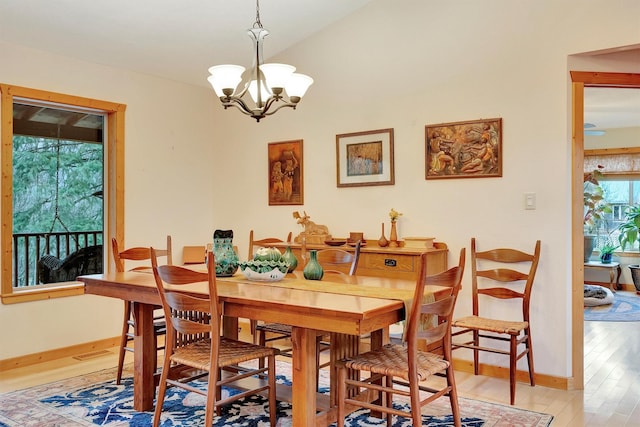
column 476, row 353
column 513, row 356
column 252, row 326
column 389, row 402
column 261, row 342
column 161, row 390
column 123, row 339
column 212, row 397
column 273, row 419
column 529, row 345
column 341, row 394
column 453, row 397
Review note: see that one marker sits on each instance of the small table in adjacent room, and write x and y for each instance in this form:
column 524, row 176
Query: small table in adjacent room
column 613, row 267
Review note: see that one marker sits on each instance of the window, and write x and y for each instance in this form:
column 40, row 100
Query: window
column 58, row 169
column 64, row 134
column 620, row 183
column 620, row 194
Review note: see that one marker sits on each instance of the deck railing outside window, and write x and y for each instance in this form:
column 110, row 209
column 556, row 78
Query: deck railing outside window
column 29, row 247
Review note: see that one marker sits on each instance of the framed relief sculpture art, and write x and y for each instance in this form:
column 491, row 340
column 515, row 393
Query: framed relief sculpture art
column 470, row 149
column 365, row 158
column 285, row 173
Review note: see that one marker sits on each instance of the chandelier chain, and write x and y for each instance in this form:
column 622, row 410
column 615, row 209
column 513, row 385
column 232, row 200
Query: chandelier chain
column 257, row 24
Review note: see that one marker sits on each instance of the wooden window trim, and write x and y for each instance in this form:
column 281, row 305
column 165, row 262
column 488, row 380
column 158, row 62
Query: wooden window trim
column 114, row 194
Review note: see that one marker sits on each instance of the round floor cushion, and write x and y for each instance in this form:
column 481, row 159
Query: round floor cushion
column 597, row 295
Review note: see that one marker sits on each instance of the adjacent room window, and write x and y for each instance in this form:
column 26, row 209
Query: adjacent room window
column 620, row 194
column 621, row 185
column 61, row 161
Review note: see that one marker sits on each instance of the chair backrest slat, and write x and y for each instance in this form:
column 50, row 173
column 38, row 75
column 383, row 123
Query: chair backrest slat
column 255, row 244
column 138, row 254
column 499, row 271
column 441, row 309
column 334, row 260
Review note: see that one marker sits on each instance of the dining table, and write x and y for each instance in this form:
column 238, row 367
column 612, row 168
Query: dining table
column 346, row 307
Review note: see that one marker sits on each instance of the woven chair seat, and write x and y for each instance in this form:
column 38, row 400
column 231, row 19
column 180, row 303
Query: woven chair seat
column 491, row 325
column 392, row 359
column 231, row 352
column 276, row 328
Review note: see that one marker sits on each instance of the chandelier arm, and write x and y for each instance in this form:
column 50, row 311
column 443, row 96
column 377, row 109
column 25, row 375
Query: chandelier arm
column 242, row 92
column 289, row 104
column 239, row 104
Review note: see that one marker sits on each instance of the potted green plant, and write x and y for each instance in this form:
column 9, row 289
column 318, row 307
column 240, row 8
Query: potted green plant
column 595, row 209
column 629, row 235
column 606, row 252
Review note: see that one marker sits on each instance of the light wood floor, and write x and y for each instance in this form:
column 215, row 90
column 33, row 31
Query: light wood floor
column 611, row 396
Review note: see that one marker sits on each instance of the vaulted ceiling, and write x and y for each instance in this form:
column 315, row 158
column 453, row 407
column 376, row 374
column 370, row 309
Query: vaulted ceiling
column 180, row 40
column 174, row 39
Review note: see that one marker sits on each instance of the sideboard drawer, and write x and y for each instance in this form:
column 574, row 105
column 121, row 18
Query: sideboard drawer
column 388, row 262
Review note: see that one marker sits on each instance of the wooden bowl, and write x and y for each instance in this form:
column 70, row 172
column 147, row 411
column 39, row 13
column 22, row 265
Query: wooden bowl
column 335, row 242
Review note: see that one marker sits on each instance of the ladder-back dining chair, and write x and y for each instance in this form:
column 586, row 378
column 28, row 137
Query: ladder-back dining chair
column 397, row 369
column 221, row 361
column 333, row 261
column 254, row 245
column 498, row 275
column 136, row 255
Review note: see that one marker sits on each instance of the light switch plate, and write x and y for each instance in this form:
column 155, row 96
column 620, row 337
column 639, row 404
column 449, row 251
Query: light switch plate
column 529, row 201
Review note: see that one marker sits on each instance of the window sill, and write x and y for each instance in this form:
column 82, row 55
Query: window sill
column 43, row 293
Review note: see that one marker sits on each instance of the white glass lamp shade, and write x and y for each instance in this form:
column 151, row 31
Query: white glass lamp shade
column 277, row 75
column 253, row 91
column 225, row 77
column 298, row 85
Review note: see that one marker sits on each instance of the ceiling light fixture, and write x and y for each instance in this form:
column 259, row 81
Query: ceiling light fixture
column 266, row 83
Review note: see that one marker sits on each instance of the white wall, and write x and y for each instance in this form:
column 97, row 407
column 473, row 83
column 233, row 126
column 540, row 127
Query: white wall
column 411, row 63
column 403, row 65
column 168, row 150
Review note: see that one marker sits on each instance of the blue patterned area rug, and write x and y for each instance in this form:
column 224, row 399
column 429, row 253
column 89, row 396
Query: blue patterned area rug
column 95, row 399
column 625, row 308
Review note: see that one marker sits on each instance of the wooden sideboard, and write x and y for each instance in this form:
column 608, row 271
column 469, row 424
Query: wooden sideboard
column 401, row 263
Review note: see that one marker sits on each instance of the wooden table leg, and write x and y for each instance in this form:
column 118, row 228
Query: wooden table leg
column 230, row 327
column 144, row 341
column 618, row 287
column 303, row 377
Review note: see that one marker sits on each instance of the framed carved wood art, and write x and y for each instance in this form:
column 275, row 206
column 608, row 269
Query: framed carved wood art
column 365, row 158
column 471, row 149
column 286, row 184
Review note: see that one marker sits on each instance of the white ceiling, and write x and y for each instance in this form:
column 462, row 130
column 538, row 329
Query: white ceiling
column 181, row 39
column 176, row 39
column 609, row 108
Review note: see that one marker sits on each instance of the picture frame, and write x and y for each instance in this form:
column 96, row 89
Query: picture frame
column 468, row 149
column 365, row 158
column 286, row 173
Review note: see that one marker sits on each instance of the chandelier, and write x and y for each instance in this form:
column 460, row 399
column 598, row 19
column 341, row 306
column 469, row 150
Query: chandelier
column 266, row 83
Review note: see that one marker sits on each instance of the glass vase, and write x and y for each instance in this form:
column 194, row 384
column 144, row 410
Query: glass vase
column 227, row 260
column 313, row 270
column 290, row 259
